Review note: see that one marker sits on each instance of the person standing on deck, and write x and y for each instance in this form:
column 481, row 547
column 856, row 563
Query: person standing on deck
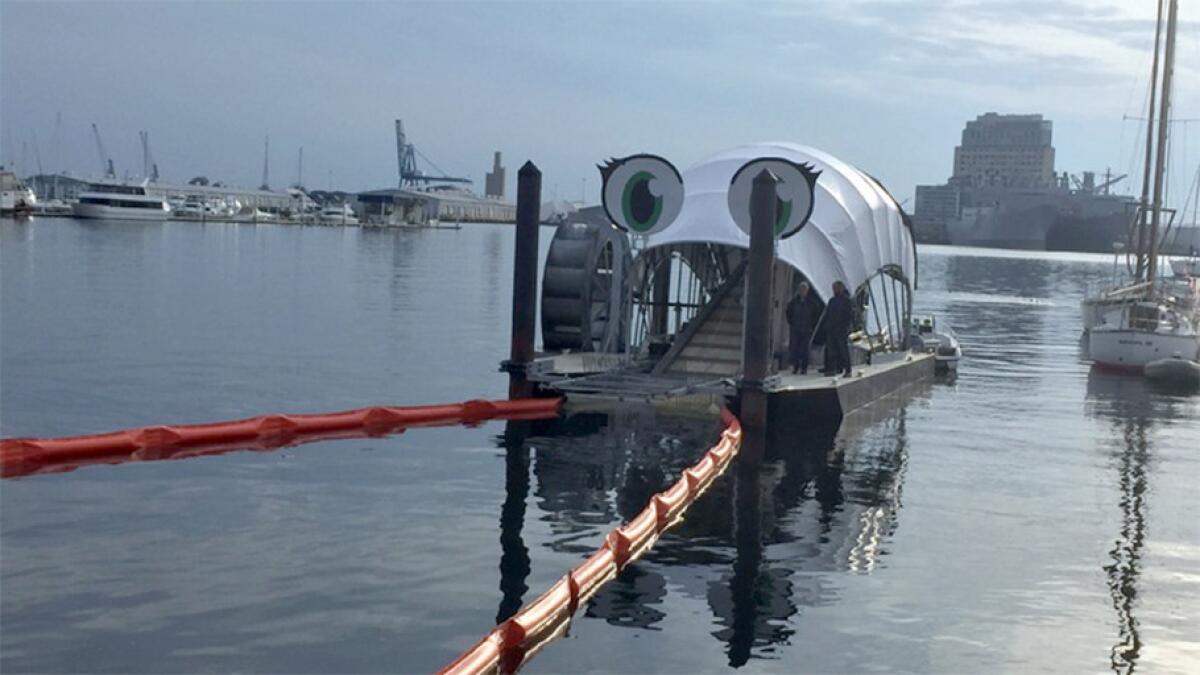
column 839, row 315
column 803, row 312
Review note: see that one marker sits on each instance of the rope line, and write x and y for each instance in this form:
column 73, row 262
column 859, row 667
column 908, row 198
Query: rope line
column 28, row 456
column 512, row 643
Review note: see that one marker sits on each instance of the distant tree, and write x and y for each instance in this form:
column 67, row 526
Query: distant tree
column 198, row 180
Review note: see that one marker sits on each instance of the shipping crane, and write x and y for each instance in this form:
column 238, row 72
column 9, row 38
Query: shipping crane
column 1086, row 183
column 410, row 175
column 266, row 164
column 37, row 154
column 106, row 163
column 149, row 166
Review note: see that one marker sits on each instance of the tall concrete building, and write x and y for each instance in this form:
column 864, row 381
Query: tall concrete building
column 494, row 183
column 1012, row 151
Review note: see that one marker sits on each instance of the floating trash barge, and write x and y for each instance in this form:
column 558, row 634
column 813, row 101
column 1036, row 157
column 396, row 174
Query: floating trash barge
column 670, row 293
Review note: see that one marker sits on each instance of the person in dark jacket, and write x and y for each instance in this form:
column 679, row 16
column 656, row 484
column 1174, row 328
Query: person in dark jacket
column 839, row 315
column 803, row 312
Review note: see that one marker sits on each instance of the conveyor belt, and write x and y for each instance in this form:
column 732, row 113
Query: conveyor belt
column 622, row 385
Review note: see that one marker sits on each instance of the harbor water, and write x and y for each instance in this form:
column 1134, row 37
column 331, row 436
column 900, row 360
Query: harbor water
column 1030, row 515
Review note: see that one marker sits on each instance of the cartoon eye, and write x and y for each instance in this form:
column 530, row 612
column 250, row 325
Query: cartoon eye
column 794, row 193
column 642, row 193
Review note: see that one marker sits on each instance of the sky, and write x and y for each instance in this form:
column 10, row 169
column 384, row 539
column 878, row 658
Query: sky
column 884, row 84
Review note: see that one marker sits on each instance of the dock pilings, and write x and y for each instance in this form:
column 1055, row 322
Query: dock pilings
column 524, row 307
column 756, row 345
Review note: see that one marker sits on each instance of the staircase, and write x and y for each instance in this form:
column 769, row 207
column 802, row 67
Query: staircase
column 711, row 344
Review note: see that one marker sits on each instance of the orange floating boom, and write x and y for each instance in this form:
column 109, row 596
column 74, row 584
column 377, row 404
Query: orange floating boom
column 512, row 643
column 27, row 456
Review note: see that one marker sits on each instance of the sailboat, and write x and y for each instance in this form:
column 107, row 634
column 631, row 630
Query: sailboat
column 1153, row 319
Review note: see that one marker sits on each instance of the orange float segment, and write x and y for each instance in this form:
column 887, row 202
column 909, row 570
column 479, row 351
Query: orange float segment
column 547, row 617
column 26, row 456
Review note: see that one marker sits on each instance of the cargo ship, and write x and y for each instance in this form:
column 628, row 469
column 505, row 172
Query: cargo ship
column 1005, row 193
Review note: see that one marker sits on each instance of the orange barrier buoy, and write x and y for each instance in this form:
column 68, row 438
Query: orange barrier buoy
column 512, row 643
column 27, row 456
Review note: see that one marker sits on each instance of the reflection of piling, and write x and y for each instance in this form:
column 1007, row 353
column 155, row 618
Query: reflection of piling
column 756, row 345
column 747, row 567
column 529, row 195
column 514, row 555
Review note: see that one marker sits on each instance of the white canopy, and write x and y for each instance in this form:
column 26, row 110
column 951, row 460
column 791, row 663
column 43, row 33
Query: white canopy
column 855, row 229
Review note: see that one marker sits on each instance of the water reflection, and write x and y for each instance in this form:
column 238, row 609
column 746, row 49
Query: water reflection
column 820, row 500
column 1004, row 327
column 514, row 556
column 1131, row 408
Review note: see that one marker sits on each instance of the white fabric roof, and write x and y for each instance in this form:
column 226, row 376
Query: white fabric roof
column 855, row 229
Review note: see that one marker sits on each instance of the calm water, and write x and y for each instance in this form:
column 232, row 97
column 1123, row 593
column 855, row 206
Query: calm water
column 1029, row 516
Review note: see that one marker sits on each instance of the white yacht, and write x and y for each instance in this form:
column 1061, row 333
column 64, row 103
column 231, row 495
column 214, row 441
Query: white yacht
column 251, row 214
column 15, row 196
column 120, row 201
column 338, row 214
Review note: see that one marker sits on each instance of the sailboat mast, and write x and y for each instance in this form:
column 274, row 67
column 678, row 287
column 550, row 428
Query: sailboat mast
column 1164, row 116
column 1149, row 162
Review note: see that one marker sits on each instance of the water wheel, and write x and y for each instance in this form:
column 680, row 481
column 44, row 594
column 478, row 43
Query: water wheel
column 585, row 289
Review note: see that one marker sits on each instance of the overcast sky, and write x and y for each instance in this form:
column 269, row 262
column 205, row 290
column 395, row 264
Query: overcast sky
column 886, row 85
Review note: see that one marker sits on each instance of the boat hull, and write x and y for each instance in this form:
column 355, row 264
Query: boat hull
column 105, row 212
column 1130, row 350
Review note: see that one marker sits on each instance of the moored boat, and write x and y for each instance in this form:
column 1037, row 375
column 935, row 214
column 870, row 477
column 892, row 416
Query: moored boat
column 1152, row 318
column 941, row 341
column 120, row 201
column 1175, row 371
column 338, row 214
column 15, row 197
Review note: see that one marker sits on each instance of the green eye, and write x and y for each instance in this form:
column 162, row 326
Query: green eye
column 794, row 190
column 783, row 209
column 642, row 194
column 640, row 207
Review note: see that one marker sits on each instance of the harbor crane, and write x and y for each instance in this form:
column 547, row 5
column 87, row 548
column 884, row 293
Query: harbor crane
column 410, row 175
column 1087, row 183
column 266, row 164
column 37, row 154
column 106, row 163
column 149, row 166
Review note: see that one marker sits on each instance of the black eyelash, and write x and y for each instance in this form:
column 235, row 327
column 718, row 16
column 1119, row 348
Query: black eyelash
column 610, row 165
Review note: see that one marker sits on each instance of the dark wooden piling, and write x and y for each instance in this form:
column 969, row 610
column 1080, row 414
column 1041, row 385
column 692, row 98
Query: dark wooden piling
column 660, row 296
column 524, row 308
column 756, row 343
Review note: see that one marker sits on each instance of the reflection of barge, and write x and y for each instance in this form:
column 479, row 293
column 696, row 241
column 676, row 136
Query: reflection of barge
column 825, row 501
column 670, row 321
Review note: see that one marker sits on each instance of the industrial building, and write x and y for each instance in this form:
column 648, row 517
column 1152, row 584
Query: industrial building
column 424, row 198
column 494, row 182
column 396, row 206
